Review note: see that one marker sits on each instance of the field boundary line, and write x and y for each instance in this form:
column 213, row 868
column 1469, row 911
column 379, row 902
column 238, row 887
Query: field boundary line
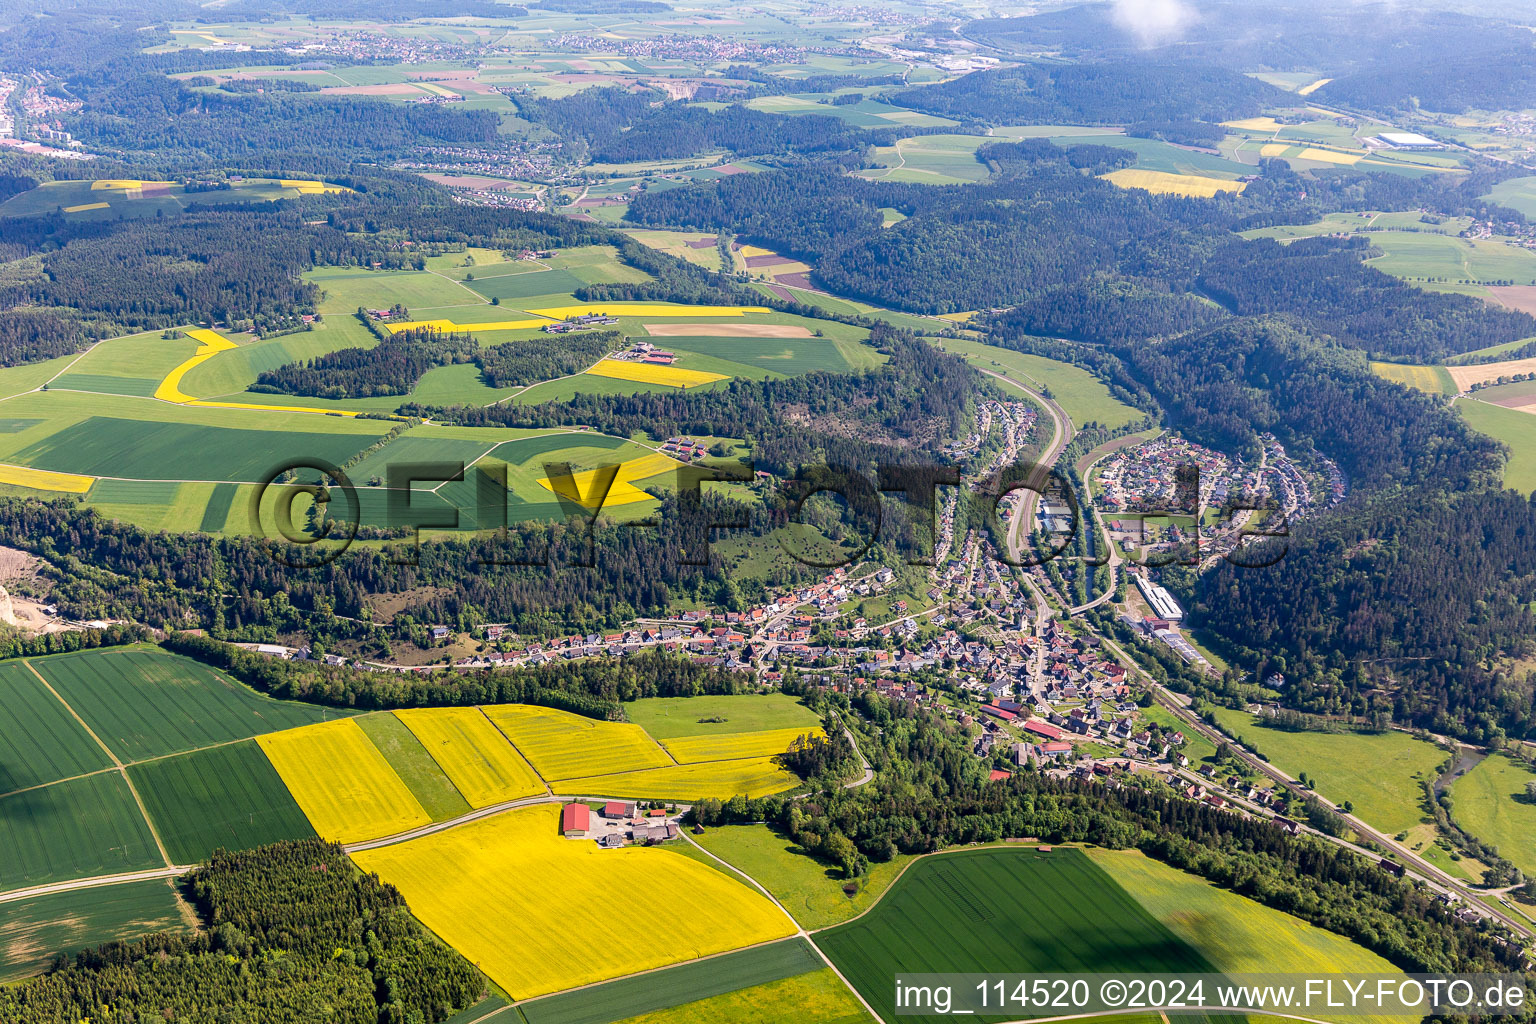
column 55, row 782
column 122, row 769
column 520, row 756
column 800, row 928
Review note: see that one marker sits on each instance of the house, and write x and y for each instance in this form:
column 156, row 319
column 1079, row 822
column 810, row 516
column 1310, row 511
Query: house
column 439, row 632
column 611, row 841
column 617, row 809
column 575, row 820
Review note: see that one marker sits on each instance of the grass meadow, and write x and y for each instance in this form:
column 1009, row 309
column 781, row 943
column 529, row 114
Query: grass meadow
column 811, row 891
column 669, row 718
column 1491, row 802
column 1386, row 797
column 1516, row 429
column 1081, row 395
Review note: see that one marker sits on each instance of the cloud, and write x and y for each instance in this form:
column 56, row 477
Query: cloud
column 1154, row 22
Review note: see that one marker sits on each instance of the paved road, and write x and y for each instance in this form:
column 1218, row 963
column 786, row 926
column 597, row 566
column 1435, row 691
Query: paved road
column 95, row 883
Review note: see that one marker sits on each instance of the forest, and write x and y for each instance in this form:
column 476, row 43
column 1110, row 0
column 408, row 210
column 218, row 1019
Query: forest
column 621, row 125
column 1100, row 93
column 294, row 933
column 392, row 367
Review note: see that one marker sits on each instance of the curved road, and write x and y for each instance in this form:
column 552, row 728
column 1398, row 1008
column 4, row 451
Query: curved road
column 1062, row 434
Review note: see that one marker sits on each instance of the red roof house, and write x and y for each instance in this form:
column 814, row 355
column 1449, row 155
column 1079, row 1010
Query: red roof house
column 1045, row 729
column 575, row 820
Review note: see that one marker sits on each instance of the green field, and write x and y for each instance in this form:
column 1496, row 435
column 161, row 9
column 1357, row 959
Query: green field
column 1517, row 194
column 1233, row 932
column 147, row 450
column 229, row 373
column 144, row 703
column 1081, row 395
column 39, row 740
column 228, row 796
column 1386, row 797
column 1516, row 429
column 1490, row 802
column 811, row 891
column 32, row 931
column 1416, row 256
column 422, row 776
column 675, row 986
column 668, row 718
column 818, row 996
column 1005, row 910
column 74, row 829
column 787, row 356
column 931, row 160
column 346, row 288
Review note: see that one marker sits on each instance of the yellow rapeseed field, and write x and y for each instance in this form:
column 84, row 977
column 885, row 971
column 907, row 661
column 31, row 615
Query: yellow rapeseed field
column 1328, row 156
column 1273, row 148
column 646, row 309
column 1254, row 124
column 622, row 491
column 473, row 753
column 341, row 781
column 561, row 745
column 87, row 206
column 311, row 188
column 44, row 480
column 1172, row 184
column 124, row 184
column 449, row 325
column 539, row 913
column 752, row 778
column 727, row 746
column 1308, row 90
column 210, row 344
column 649, row 373
column 959, row 318
column 1430, row 379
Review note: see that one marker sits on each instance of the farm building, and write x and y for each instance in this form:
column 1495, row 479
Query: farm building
column 617, row 809
column 575, row 820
